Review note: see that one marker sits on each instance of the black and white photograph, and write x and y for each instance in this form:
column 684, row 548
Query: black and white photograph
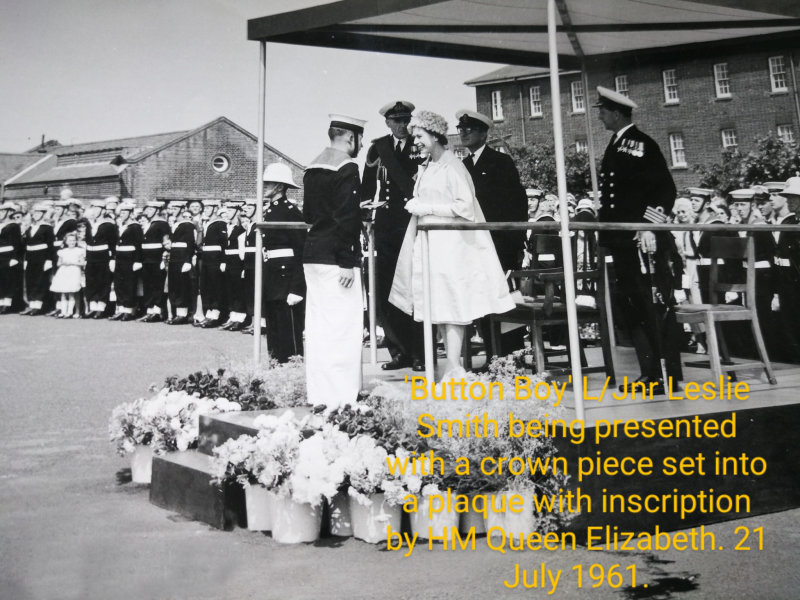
column 360, row 299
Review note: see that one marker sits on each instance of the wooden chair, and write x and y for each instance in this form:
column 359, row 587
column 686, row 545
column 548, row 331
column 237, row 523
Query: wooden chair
column 725, row 249
column 549, row 308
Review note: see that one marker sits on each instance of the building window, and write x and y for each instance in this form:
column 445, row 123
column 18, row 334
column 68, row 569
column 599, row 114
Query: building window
column 721, row 80
column 621, row 84
column 777, row 74
column 670, row 87
column 786, row 134
column 536, row 101
column 729, row 138
column 677, row 150
column 220, row 163
column 578, row 104
column 497, row 105
column 581, row 146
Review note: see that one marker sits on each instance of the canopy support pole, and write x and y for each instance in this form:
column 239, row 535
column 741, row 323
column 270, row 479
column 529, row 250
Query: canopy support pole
column 426, row 306
column 373, row 336
column 566, row 245
column 259, row 216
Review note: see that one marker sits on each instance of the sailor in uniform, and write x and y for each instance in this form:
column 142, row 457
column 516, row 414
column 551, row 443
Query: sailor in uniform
column 234, row 269
column 212, row 264
column 40, row 256
column 154, row 273
column 101, row 243
column 128, row 262
column 182, row 248
column 283, row 284
column 11, row 256
column 786, row 280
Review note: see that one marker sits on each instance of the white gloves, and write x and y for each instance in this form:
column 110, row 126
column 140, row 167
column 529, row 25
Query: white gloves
column 293, row 299
column 731, row 297
column 418, row 208
column 680, row 296
column 137, row 266
column 13, row 262
column 48, row 264
column 112, row 264
column 776, row 303
column 186, row 267
column 221, row 267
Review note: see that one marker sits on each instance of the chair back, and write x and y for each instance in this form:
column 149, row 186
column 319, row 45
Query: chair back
column 726, row 277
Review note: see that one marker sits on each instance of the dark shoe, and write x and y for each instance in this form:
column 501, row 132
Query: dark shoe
column 127, row 317
column 226, row 325
column 417, row 365
column 249, row 330
column 398, row 362
column 36, row 312
column 26, row 312
column 4, row 309
column 644, row 386
column 209, row 324
column 116, row 317
column 53, row 313
column 155, row 319
column 236, row 326
column 197, row 323
column 178, row 321
column 98, row 314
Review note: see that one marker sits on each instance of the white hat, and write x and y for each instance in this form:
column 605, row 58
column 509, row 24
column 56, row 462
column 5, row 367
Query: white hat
column 742, row 195
column 345, row 122
column 611, row 99
column 280, row 173
column 704, row 193
column 250, row 202
column 65, row 194
column 792, row 187
column 400, row 108
column 774, row 186
column 467, row 118
column 40, row 207
column 533, row 192
column 62, row 203
column 127, row 204
column 585, row 204
column 98, row 203
column 154, row 204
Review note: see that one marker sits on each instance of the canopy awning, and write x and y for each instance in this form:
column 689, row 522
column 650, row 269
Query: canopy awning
column 515, row 31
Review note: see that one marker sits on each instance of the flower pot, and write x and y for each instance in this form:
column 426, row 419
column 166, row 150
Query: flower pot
column 293, row 522
column 427, row 526
column 370, row 522
column 512, row 523
column 341, row 522
column 259, row 504
column 141, row 464
column 472, row 519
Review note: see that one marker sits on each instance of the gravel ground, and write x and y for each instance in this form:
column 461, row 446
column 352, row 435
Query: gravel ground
column 72, row 527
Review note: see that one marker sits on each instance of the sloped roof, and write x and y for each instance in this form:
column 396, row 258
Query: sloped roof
column 127, row 146
column 72, row 173
column 509, row 73
column 11, row 164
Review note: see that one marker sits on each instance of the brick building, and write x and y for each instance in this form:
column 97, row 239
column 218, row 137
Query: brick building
column 215, row 161
column 694, row 103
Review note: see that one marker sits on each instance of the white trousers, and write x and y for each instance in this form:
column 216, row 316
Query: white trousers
column 334, row 328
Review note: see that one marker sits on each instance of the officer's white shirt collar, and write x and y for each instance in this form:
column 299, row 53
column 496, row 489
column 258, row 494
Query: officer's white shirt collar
column 402, row 142
column 619, row 133
column 477, row 154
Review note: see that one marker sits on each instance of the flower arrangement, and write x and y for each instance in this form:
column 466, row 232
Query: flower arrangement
column 167, row 421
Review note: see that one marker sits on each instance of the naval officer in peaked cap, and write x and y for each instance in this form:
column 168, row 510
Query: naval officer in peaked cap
column 636, row 187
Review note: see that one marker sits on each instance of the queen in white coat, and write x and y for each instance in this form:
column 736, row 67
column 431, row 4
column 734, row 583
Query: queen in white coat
column 467, row 281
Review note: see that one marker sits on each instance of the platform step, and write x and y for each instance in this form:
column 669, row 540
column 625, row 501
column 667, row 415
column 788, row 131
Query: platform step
column 215, row 430
column 181, row 483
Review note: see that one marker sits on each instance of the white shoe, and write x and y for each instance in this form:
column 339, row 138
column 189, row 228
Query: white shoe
column 700, row 349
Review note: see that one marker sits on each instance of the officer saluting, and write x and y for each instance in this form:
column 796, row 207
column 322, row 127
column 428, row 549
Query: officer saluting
column 636, row 187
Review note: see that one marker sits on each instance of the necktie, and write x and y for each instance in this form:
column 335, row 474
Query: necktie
column 398, row 149
column 468, row 162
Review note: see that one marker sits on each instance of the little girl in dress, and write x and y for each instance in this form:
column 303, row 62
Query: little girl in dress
column 67, row 280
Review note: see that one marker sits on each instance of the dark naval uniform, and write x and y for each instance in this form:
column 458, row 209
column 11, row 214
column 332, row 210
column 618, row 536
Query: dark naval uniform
column 215, row 242
column 283, row 275
column 101, row 244
column 11, row 249
column 183, row 244
column 129, row 251
column 390, row 172
column 62, row 228
column 249, row 268
column 234, row 270
column 786, row 284
column 154, row 274
column 39, row 248
column 636, row 187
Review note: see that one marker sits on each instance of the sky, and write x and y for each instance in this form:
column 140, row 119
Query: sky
column 90, row 70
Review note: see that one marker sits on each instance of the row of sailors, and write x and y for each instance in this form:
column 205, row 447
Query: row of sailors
column 145, row 263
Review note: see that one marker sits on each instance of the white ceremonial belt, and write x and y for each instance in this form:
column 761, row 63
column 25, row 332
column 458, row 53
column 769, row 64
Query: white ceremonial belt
column 547, row 257
column 36, row 247
column 707, row 261
column 249, row 249
column 179, row 244
column 609, row 258
column 126, row 248
column 761, row 264
column 212, row 248
column 6, row 248
column 152, row 246
column 280, row 253
column 97, row 248
column 781, row 262
column 230, row 252
column 58, row 243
